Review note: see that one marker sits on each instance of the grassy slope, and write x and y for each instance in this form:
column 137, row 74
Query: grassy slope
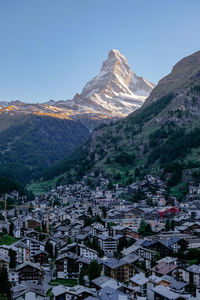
column 39, row 187
column 7, row 240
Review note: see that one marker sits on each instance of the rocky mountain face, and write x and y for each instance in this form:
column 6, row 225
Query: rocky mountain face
column 160, row 137
column 36, row 135
column 114, row 93
column 182, row 75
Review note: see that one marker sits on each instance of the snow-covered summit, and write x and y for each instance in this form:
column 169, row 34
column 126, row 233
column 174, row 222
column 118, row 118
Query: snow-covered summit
column 114, row 93
column 116, row 90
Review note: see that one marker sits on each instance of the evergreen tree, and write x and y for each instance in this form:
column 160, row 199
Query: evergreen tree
column 4, row 231
column 56, row 252
column 95, row 244
column 145, row 228
column 69, row 240
column 94, row 270
column 148, row 229
column 42, row 237
column 167, row 225
column 172, row 225
column 122, row 244
column 117, row 176
column 108, row 160
column 38, row 228
column 137, row 172
column 11, row 228
column 43, row 226
column 12, row 255
column 5, row 286
column 49, row 248
column 87, row 242
column 110, row 185
column 81, row 277
column 90, row 211
column 100, row 252
column 104, row 211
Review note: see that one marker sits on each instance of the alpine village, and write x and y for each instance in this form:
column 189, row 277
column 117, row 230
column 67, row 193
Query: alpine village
column 100, row 194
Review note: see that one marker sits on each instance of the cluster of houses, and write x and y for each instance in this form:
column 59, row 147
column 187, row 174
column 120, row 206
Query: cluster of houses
column 56, row 237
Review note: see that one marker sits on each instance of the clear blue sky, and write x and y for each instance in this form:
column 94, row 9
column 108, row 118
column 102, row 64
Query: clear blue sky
column 50, row 48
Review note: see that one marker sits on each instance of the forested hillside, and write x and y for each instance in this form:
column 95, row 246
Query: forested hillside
column 30, row 144
column 162, row 137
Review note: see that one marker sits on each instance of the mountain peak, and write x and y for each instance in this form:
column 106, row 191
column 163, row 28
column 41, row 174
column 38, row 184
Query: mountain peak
column 114, row 58
column 114, row 53
column 116, row 90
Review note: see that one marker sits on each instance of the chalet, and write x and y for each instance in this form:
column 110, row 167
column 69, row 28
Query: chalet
column 140, row 281
column 29, row 272
column 189, row 228
column 192, row 275
column 109, row 244
column 77, row 292
column 157, row 246
column 81, row 250
column 81, row 238
column 32, row 223
column 29, row 291
column 132, row 233
column 33, row 234
column 131, row 213
column 87, row 252
column 162, row 292
column 41, row 257
column 119, row 230
column 108, row 293
column 100, row 231
column 134, row 188
column 63, row 230
column 121, row 270
column 34, row 245
column 147, row 255
column 104, row 281
column 163, row 268
column 176, row 285
column 67, row 264
column 23, row 252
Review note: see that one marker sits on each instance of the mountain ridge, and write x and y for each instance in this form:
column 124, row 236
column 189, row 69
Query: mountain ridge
column 114, row 93
column 162, row 136
column 182, row 72
column 34, row 136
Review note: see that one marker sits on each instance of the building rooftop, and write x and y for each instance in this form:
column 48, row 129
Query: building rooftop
column 103, row 281
column 163, row 268
column 194, row 269
column 167, row 293
column 108, row 293
column 139, row 279
column 114, row 263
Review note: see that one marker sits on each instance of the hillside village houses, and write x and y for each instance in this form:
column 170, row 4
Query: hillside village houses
column 145, row 248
